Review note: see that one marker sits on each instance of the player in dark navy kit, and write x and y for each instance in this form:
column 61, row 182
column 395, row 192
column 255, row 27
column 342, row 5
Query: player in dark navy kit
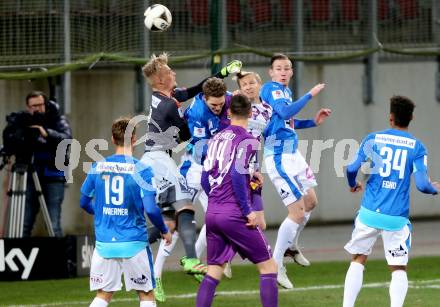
column 231, row 224
column 167, row 127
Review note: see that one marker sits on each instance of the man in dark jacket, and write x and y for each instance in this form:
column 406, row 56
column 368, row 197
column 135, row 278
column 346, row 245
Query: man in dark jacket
column 49, row 131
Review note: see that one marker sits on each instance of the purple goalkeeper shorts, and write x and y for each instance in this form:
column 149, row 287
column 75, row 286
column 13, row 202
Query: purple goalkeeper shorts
column 226, row 235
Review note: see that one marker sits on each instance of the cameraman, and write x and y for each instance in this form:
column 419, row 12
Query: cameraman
column 48, row 128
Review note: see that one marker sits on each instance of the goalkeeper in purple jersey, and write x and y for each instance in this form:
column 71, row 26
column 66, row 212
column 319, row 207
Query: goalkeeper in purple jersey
column 231, row 224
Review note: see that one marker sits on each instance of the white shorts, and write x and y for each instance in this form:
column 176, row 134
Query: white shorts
column 105, row 274
column 396, row 244
column 192, row 172
column 291, row 175
column 171, row 186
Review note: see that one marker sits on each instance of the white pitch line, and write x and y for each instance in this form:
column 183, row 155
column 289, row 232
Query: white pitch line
column 422, row 284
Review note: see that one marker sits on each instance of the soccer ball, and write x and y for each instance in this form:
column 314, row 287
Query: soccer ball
column 157, row 18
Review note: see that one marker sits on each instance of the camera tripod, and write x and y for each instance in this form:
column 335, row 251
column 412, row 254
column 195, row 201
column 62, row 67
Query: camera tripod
column 17, row 199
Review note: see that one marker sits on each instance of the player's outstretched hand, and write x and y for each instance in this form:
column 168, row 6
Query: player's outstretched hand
column 322, row 115
column 232, row 67
column 167, row 237
column 357, row 188
column 252, row 220
column 316, row 89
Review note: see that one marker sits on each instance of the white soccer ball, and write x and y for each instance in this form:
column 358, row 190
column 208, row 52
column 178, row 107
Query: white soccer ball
column 157, row 18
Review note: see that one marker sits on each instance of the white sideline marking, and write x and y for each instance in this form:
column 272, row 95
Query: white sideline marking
column 421, row 284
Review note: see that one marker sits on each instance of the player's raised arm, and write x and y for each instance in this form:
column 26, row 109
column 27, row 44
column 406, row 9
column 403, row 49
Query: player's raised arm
column 183, row 94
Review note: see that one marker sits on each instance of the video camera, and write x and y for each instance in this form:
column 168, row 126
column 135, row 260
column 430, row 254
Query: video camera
column 19, row 138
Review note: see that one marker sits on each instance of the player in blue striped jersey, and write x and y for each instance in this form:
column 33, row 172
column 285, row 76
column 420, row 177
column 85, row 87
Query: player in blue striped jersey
column 394, row 155
column 122, row 190
column 292, row 177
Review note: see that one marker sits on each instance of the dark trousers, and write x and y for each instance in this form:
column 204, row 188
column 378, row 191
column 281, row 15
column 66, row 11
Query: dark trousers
column 53, row 192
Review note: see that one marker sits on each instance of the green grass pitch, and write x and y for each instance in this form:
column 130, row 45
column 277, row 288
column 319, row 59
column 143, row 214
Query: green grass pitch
column 318, row 285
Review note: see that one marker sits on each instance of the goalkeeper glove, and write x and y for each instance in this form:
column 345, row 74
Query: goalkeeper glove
column 231, row 68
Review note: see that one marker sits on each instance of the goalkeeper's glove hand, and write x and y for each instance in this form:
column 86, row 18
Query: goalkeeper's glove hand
column 232, row 67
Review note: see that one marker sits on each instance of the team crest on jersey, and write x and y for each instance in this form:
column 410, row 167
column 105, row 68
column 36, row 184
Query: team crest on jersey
column 199, row 132
column 277, row 94
column 155, row 101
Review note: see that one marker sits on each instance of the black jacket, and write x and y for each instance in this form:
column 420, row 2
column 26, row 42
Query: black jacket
column 25, row 142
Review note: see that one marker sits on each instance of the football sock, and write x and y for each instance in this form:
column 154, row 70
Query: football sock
column 98, row 302
column 162, row 253
column 153, row 234
column 398, row 288
column 286, row 234
column 206, row 292
column 201, row 242
column 300, row 229
column 147, row 304
column 268, row 290
column 353, row 283
column 187, row 232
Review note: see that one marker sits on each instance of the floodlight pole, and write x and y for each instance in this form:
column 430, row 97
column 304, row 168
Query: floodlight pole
column 67, row 60
column 435, row 24
column 143, row 90
column 219, row 31
column 372, row 60
column 298, row 10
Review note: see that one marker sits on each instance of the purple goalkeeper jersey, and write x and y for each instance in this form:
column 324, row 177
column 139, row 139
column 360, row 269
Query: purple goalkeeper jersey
column 227, row 163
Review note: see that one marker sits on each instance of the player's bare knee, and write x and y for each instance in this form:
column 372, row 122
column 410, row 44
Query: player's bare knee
column 397, row 268
column 146, row 296
column 107, row 296
column 171, row 225
column 310, row 200
column 216, row 271
column 267, row 267
column 362, row 259
column 296, row 212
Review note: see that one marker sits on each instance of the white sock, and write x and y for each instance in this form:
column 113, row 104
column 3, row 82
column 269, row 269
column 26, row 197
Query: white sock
column 286, row 235
column 162, row 253
column 398, row 288
column 353, row 283
column 147, row 304
column 201, row 242
column 300, row 229
column 98, row 302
